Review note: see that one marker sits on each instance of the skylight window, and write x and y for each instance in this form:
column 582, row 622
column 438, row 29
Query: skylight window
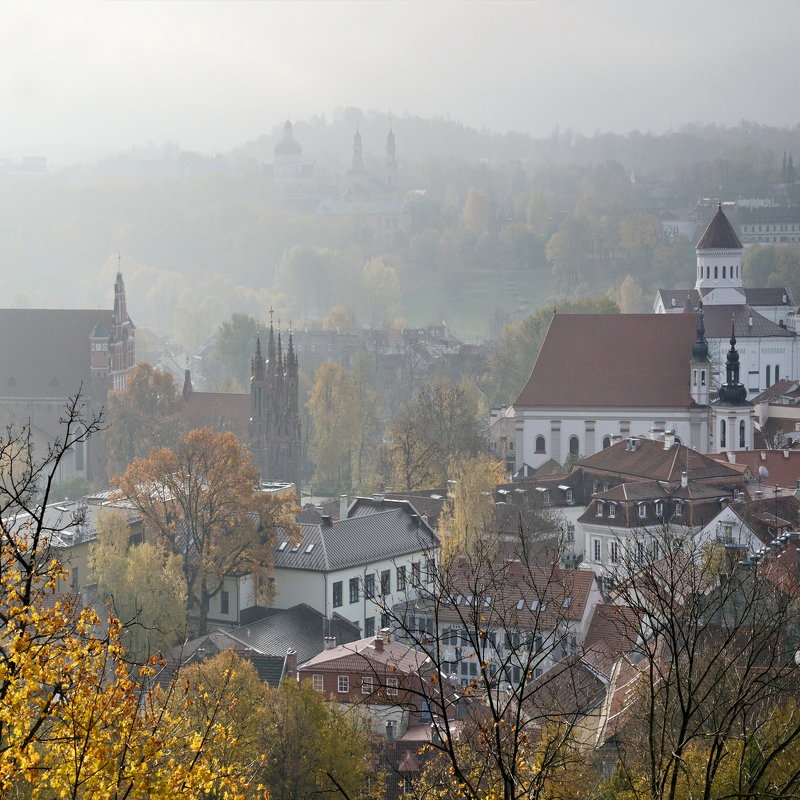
column 520, row 604
column 309, row 548
column 282, row 545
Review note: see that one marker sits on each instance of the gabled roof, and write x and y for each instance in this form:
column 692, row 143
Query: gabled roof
column 613, row 360
column 355, row 541
column 651, row 461
column 718, row 323
column 752, row 297
column 50, row 354
column 719, row 235
column 365, row 653
column 783, row 465
column 300, row 628
column 786, row 387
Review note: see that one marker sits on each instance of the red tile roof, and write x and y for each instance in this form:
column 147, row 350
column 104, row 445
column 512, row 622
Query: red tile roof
column 783, row 465
column 45, row 352
column 608, row 360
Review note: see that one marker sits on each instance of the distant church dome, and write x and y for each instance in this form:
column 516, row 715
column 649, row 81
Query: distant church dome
column 288, row 146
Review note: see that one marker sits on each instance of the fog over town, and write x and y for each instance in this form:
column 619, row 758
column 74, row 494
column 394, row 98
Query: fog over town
column 400, row 400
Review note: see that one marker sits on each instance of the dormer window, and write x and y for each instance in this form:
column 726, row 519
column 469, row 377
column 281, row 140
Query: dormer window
column 642, row 510
column 659, row 509
column 599, row 508
column 678, row 509
column 612, row 510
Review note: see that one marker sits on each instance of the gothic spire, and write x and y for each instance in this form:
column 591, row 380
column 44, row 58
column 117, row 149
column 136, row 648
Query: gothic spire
column 271, row 341
column 700, row 347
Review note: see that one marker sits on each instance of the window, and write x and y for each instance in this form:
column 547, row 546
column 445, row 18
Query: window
column 614, row 552
column 777, row 373
column 430, row 570
column 694, row 377
column 337, row 594
column 369, row 585
column 596, row 552
column 659, row 508
column 599, row 509
column 724, row 269
column 568, row 495
column 369, row 627
column 741, row 433
column 574, row 445
column 702, row 377
column 386, row 582
column 224, row 602
column 640, row 554
column 343, row 684
column 79, row 452
column 317, row 683
column 416, row 573
column 392, row 685
column 722, row 433
column 400, row 579
column 612, row 510
column 570, row 533
column 768, row 383
column 354, row 593
column 606, row 442
column 678, row 509
column 546, row 498
column 366, row 684
column 642, row 510
column 540, row 444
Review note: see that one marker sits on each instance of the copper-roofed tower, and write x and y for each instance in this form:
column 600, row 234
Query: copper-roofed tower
column 719, row 262
column 274, row 411
column 732, row 412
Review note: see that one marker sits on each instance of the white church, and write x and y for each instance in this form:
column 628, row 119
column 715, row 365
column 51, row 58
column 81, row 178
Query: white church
column 686, row 373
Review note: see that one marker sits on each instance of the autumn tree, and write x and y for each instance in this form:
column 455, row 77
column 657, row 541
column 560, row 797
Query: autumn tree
column 202, row 502
column 712, row 705
column 74, row 721
column 142, row 584
column 344, row 408
column 380, row 290
column 439, row 425
column 289, row 739
column 148, row 413
column 234, row 345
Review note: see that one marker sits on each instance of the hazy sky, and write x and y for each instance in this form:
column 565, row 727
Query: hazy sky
column 212, row 75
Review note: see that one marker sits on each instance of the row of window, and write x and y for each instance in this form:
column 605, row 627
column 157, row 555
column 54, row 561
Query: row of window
column 726, row 272
column 401, row 582
column 780, row 228
column 769, row 382
column 723, row 434
column 574, row 444
column 615, row 551
column 368, row 684
column 600, row 508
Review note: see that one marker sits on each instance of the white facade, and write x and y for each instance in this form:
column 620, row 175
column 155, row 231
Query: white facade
column 357, row 592
column 586, row 431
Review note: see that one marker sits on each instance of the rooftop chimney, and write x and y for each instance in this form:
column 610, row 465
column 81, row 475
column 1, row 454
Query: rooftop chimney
column 290, row 665
column 343, row 504
column 386, row 634
column 378, row 644
column 330, row 642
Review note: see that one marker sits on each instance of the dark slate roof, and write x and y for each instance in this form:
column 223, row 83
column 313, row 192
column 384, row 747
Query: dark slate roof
column 719, row 235
column 45, row 352
column 355, row 541
column 608, row 360
column 786, row 387
column 218, row 409
column 300, row 628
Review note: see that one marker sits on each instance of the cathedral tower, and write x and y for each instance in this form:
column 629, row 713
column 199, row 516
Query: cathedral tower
column 732, row 413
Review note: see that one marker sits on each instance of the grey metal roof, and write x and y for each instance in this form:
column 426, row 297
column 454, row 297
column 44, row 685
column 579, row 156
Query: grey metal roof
column 355, row 541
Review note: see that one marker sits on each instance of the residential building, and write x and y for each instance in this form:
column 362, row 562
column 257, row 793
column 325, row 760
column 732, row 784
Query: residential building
column 357, row 566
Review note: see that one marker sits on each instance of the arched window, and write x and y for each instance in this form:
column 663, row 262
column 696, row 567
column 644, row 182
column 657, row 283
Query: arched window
column 574, row 445
column 722, row 433
column 540, row 448
column 606, row 442
column 708, row 272
column 716, row 272
column 741, row 433
column 694, row 377
column 702, row 377
column 777, row 372
column 723, row 273
column 769, row 383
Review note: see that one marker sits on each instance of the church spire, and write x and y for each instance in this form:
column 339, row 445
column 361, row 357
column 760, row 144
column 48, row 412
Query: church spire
column 257, row 363
column 732, row 391
column 271, row 341
column 700, row 347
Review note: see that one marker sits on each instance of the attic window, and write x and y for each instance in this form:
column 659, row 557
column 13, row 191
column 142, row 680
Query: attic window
column 534, row 604
column 295, row 548
column 520, row 604
column 487, row 602
column 679, row 509
column 642, row 510
column 612, row 510
column 599, row 509
column 282, row 545
column 567, row 602
column 309, row 548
